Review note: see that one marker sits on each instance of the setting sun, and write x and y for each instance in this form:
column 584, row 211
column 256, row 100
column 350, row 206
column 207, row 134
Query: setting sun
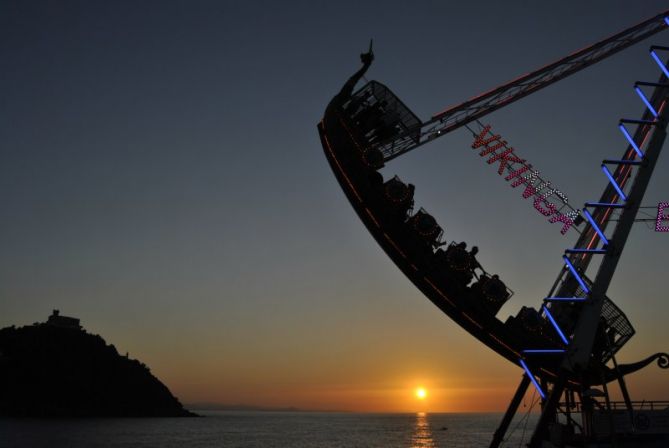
column 421, row 393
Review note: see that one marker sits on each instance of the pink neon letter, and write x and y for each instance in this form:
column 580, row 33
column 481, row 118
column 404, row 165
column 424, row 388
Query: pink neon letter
column 480, row 141
column 493, row 148
column 567, row 220
column 518, row 172
column 529, row 191
column 661, row 217
column 544, row 211
column 529, row 179
column 504, row 158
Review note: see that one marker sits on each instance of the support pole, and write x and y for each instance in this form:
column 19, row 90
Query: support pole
column 609, row 411
column 544, row 386
column 623, row 389
column 510, row 412
column 548, row 413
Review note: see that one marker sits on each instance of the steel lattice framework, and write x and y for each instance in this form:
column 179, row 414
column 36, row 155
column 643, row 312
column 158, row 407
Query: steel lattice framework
column 481, row 105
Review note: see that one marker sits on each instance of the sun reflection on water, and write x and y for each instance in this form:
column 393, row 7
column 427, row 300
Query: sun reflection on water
column 422, row 436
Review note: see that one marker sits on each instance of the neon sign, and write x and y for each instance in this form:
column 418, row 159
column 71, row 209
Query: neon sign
column 513, row 167
column 661, row 217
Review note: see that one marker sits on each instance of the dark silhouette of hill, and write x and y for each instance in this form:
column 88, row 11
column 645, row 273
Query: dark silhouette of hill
column 47, row 370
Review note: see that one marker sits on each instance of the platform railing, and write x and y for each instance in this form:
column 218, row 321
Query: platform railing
column 643, row 405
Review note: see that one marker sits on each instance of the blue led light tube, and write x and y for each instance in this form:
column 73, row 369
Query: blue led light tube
column 604, row 204
column 645, row 100
column 659, row 62
column 531, row 377
column 595, row 226
column 629, row 138
column 614, row 183
column 557, row 327
column 576, row 274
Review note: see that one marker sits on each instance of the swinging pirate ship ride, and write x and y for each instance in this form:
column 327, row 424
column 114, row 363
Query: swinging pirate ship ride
column 567, row 348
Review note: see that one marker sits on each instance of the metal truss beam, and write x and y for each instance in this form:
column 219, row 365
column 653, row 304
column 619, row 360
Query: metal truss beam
column 475, row 108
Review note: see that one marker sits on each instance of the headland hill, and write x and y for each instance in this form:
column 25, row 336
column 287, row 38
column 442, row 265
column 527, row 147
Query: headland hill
column 58, row 369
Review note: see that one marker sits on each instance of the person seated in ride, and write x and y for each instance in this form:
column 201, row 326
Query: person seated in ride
column 383, row 133
column 403, row 209
column 455, row 246
column 457, row 256
column 358, row 104
column 458, row 259
column 399, row 198
column 495, row 290
column 388, row 128
column 530, row 318
column 477, row 286
column 409, row 203
column 473, row 262
column 371, row 119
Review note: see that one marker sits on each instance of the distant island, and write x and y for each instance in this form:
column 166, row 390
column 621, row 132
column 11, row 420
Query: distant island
column 57, row 369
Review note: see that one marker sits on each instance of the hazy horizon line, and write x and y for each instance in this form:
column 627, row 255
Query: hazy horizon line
column 209, row 406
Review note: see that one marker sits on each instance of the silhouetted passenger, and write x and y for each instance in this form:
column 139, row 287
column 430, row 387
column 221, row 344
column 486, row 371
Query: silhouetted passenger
column 387, row 128
column 399, row 197
column 495, row 288
column 375, row 180
column 408, row 205
column 530, row 318
column 373, row 158
column 495, row 293
column 385, row 132
column 458, row 260
column 473, row 262
column 357, row 104
column 425, row 225
column 477, row 287
column 365, row 115
column 371, row 119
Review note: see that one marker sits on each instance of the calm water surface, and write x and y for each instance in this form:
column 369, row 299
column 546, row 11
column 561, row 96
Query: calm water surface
column 262, row 429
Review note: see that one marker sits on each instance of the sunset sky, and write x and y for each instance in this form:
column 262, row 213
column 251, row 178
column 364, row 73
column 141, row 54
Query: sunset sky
column 161, row 178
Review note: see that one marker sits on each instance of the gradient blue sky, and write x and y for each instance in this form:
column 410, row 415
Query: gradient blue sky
column 161, row 178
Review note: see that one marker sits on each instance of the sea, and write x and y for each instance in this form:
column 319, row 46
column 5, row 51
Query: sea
column 216, row 429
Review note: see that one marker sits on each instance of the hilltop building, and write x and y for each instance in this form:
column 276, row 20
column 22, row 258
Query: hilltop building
column 57, row 320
